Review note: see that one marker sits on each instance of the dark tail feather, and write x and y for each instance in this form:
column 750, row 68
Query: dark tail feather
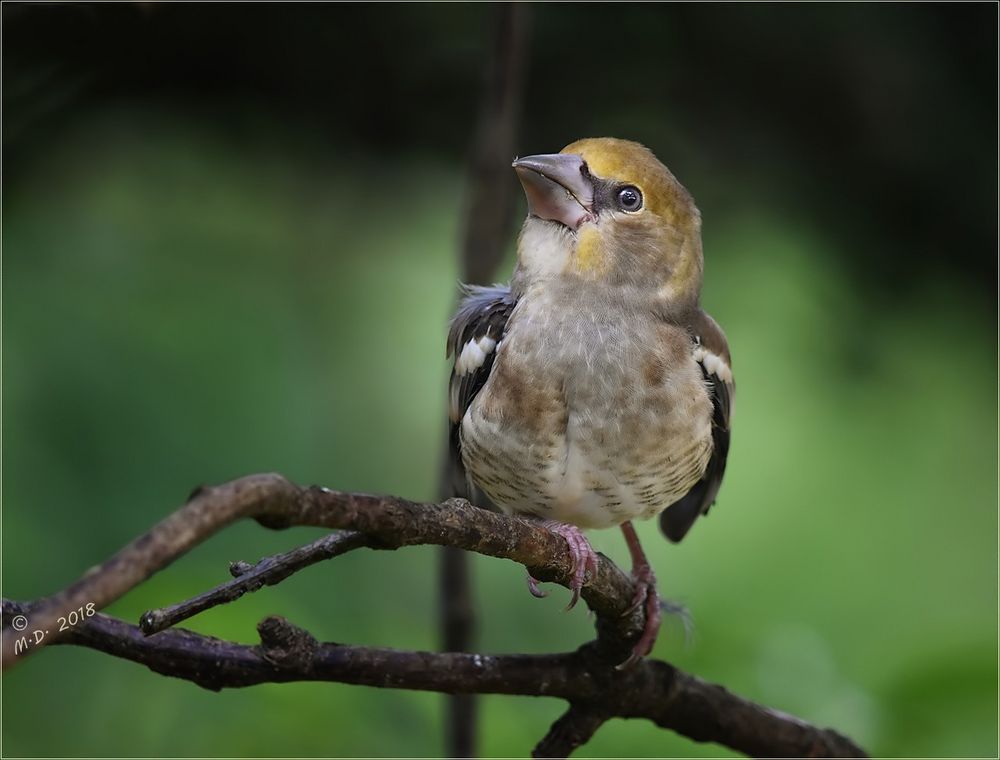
column 677, row 519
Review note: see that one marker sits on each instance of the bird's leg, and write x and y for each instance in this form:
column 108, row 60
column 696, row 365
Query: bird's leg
column 645, row 593
column 582, row 553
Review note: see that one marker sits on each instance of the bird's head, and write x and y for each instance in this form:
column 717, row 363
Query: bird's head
column 607, row 210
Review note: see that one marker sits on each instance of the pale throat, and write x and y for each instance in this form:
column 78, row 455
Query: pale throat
column 543, row 250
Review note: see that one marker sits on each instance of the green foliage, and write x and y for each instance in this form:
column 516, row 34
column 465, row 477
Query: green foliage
column 181, row 308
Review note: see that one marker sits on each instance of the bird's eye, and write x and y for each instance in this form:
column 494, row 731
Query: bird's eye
column 629, row 198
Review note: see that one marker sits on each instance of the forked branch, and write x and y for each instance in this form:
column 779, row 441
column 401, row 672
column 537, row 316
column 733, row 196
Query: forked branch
column 587, row 679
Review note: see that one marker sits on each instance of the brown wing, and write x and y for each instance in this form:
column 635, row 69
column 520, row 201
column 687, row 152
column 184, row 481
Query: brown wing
column 712, row 353
column 475, row 333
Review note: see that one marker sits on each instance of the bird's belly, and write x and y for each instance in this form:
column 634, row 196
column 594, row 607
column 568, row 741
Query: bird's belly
column 593, row 459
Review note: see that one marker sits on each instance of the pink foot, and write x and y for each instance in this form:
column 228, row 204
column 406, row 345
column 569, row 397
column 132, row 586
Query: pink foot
column 582, row 553
column 645, row 594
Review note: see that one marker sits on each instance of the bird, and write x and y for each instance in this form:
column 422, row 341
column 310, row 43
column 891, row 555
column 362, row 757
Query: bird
column 592, row 390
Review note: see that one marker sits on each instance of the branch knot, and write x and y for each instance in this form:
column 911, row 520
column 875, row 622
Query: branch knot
column 286, row 645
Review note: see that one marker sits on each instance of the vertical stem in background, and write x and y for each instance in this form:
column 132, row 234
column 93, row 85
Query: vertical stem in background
column 490, row 196
column 458, row 624
column 490, row 186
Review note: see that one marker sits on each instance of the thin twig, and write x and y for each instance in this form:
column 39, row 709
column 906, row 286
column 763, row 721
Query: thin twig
column 652, row 690
column 266, row 572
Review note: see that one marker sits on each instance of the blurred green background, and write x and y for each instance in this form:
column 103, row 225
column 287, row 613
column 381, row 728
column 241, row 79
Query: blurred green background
column 229, row 246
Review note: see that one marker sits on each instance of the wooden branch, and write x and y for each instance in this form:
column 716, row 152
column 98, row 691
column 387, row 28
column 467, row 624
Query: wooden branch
column 571, row 731
column 652, row 690
column 388, row 522
column 587, row 678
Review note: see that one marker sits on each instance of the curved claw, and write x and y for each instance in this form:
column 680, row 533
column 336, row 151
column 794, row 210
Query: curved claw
column 630, row 662
column 584, row 570
column 649, row 632
column 582, row 554
column 533, row 588
column 645, row 583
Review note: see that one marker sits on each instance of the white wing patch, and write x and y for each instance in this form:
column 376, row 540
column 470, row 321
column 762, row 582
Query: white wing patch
column 474, row 354
column 713, row 363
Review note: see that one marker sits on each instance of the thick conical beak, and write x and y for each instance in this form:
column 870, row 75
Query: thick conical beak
column 558, row 187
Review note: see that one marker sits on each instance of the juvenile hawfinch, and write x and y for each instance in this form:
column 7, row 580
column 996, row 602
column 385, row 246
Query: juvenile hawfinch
column 593, row 390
